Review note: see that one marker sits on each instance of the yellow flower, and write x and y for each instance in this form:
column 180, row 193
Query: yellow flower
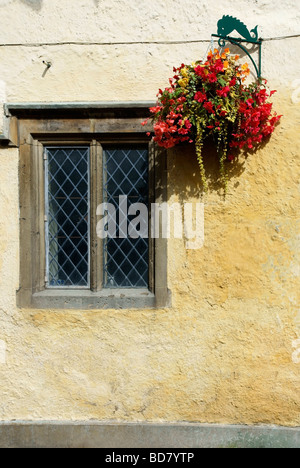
column 245, row 69
column 183, row 82
column 184, row 72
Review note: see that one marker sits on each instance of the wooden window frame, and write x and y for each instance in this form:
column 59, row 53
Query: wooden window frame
column 39, row 126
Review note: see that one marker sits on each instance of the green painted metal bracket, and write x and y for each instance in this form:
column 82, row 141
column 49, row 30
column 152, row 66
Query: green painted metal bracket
column 227, row 25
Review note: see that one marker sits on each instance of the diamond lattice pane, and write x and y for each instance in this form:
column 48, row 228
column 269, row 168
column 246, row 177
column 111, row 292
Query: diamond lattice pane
column 67, row 206
column 126, row 260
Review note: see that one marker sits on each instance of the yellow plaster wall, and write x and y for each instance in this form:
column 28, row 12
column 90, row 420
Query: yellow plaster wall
column 227, row 349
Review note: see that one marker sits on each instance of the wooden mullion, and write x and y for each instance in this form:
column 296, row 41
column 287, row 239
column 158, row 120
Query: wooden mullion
column 96, row 191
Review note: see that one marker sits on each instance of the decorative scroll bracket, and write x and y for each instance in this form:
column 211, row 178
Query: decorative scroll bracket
column 228, row 24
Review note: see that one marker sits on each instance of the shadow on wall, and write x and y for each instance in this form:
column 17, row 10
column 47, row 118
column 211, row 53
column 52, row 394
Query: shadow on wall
column 37, row 4
column 185, row 174
column 34, row 4
column 184, row 170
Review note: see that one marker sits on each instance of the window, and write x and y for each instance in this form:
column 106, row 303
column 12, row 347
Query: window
column 125, row 262
column 67, row 218
column 74, row 160
column 126, row 259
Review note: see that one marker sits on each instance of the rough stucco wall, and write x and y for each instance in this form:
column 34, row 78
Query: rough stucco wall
column 225, row 351
column 95, row 73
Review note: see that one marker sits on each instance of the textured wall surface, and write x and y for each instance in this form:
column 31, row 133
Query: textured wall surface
column 227, row 351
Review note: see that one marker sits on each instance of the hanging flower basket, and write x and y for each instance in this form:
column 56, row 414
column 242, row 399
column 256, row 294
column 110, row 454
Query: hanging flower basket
column 211, row 99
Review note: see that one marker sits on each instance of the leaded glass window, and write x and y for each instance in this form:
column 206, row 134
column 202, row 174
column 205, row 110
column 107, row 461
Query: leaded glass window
column 75, row 159
column 125, row 173
column 125, row 260
column 67, row 216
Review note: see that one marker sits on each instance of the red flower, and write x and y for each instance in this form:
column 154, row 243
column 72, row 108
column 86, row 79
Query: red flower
column 200, row 97
column 183, row 131
column 250, row 143
column 243, row 108
column 198, row 70
column 201, row 71
column 223, row 92
column 155, row 109
column 223, row 113
column 160, row 128
column 219, row 66
column 212, row 78
column 209, row 107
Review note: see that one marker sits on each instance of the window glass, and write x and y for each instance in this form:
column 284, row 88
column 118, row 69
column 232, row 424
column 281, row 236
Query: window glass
column 67, row 216
column 126, row 259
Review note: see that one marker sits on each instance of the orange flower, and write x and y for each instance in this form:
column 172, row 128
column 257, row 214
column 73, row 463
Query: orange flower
column 217, row 55
column 226, row 64
column 236, row 57
column 245, row 69
column 225, row 53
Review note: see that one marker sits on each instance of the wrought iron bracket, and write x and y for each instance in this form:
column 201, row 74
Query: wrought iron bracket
column 228, row 24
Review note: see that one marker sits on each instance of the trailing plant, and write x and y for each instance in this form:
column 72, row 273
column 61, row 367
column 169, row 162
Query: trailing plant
column 211, row 99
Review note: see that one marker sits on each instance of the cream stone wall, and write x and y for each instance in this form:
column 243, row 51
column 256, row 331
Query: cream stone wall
column 228, row 350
